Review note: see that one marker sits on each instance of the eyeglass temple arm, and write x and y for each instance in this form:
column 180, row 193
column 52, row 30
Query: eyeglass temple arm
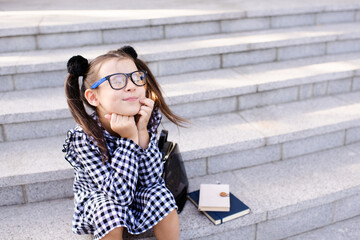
column 96, row 84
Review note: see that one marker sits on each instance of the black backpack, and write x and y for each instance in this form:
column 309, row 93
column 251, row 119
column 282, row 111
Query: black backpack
column 174, row 170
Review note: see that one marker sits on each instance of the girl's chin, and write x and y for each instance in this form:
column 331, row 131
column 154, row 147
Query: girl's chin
column 129, row 112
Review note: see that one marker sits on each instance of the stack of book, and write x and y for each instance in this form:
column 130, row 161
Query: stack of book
column 218, row 203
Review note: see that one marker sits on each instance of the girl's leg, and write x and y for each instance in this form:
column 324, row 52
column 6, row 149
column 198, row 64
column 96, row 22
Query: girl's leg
column 115, row 234
column 168, row 228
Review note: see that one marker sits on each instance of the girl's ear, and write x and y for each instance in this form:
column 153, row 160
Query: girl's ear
column 91, row 97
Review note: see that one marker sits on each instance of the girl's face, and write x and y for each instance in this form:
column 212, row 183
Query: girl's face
column 125, row 101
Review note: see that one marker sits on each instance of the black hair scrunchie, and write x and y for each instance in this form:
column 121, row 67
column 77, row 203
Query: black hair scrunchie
column 129, row 50
column 78, row 66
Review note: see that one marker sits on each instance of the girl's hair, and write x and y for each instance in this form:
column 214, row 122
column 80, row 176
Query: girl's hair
column 78, row 66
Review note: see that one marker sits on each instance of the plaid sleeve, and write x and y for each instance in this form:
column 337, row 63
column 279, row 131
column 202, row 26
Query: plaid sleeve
column 150, row 164
column 154, row 121
column 118, row 176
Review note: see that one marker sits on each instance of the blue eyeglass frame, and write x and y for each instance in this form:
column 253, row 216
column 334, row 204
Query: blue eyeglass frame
column 107, row 78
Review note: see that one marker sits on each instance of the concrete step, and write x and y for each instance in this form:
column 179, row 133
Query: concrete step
column 31, row 30
column 348, row 229
column 286, row 198
column 46, row 68
column 211, row 145
column 196, row 94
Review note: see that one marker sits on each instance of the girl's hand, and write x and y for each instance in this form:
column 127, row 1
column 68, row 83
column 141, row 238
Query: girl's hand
column 144, row 113
column 124, row 126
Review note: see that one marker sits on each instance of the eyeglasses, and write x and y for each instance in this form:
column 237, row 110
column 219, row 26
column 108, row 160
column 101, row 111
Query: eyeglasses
column 118, row 81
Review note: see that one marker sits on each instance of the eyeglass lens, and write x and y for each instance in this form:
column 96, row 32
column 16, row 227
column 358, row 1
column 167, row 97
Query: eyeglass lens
column 119, row 80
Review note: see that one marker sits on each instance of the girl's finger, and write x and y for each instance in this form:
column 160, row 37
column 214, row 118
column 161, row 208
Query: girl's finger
column 146, row 109
column 143, row 113
column 113, row 119
column 108, row 116
column 148, row 102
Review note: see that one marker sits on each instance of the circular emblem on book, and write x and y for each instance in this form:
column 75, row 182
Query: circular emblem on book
column 224, row 194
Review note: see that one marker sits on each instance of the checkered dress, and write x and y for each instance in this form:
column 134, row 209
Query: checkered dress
column 126, row 191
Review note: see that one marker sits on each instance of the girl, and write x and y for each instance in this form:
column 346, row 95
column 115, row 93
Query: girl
column 114, row 153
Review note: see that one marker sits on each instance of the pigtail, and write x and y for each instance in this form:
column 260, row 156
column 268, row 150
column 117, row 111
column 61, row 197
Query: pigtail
column 78, row 66
column 153, row 90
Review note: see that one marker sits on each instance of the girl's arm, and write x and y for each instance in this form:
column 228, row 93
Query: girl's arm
column 144, row 139
column 150, row 165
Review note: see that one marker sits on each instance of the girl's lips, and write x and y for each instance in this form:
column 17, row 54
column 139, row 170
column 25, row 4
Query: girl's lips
column 131, row 99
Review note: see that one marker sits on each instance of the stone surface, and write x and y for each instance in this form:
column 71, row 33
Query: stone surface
column 308, row 35
column 296, row 203
column 356, row 84
column 39, row 221
column 132, row 34
column 254, row 57
column 293, row 224
column 301, row 183
column 191, row 29
column 306, row 91
column 206, row 108
column 348, row 229
column 353, row 97
column 194, row 87
column 243, row 233
column 335, row 17
column 18, row 24
column 240, row 25
column 171, row 49
column 343, row 46
column 177, row 66
column 267, row 98
column 313, row 144
column 33, row 105
column 347, row 208
column 355, row 147
column 10, row 44
column 236, row 134
column 290, row 73
column 291, row 121
column 352, row 135
column 292, row 20
column 6, row 84
column 49, row 190
column 195, row 168
column 317, row 187
column 92, row 20
column 301, row 51
column 204, row 86
column 63, row 40
column 32, row 164
column 279, row 10
column 339, row 86
column 195, row 16
column 320, row 89
column 40, row 80
column 30, row 130
column 12, row 195
column 243, row 159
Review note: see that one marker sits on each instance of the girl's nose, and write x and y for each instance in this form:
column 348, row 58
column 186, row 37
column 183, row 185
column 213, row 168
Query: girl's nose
column 130, row 86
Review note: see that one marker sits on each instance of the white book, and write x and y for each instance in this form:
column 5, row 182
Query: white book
column 214, row 197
